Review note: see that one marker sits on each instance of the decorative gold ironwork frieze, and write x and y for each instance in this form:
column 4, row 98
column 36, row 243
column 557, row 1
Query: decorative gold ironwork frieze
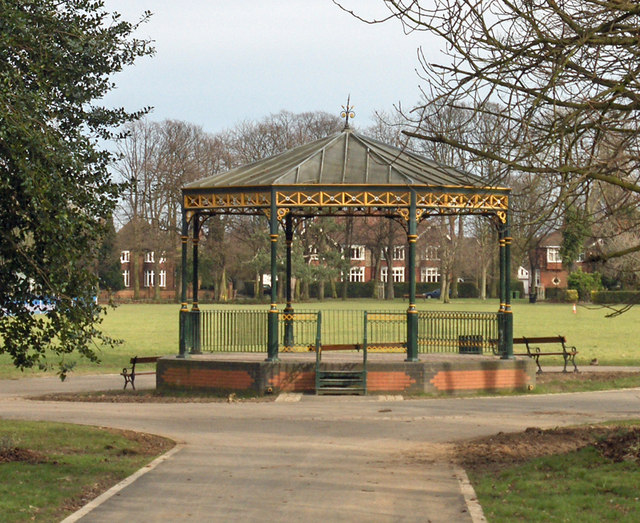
column 226, row 201
column 386, row 348
column 428, row 202
column 454, row 200
column 298, row 316
column 342, row 198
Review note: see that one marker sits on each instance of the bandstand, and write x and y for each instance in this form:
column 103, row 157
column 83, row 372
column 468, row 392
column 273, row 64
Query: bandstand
column 344, row 174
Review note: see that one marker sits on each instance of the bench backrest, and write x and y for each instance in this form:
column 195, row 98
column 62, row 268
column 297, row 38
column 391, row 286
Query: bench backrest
column 144, row 359
column 544, row 339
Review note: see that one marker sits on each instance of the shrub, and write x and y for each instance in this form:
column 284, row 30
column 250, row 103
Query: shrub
column 468, row 289
column 584, row 283
column 571, row 295
column 555, row 293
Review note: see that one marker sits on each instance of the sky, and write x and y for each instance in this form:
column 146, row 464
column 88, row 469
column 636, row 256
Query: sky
column 220, row 62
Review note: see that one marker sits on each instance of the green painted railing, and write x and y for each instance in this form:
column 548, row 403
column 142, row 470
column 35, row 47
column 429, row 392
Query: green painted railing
column 299, row 331
column 386, row 331
column 464, row 332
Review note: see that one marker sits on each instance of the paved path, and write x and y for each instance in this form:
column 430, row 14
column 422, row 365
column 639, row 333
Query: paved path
column 315, row 459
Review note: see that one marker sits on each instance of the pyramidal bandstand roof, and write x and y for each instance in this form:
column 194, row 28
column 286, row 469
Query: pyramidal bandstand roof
column 345, row 157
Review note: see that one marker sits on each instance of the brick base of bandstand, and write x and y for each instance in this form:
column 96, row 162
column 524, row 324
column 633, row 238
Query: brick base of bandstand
column 386, row 373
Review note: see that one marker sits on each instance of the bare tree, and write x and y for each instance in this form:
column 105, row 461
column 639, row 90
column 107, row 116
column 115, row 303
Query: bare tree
column 562, row 77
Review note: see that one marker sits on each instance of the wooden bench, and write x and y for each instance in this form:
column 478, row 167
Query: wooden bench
column 130, row 376
column 568, row 353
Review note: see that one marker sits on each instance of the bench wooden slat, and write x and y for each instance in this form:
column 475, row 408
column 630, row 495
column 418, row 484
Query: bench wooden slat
column 544, row 339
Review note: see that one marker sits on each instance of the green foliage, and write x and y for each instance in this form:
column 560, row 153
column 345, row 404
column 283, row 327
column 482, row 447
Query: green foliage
column 109, row 275
column 584, row 283
column 615, row 297
column 56, row 193
column 555, row 294
column 571, row 295
column 576, row 229
column 468, row 289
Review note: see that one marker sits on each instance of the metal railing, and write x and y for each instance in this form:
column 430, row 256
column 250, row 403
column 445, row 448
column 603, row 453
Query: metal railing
column 464, row 332
column 382, row 331
column 299, row 331
column 385, row 331
column 233, row 330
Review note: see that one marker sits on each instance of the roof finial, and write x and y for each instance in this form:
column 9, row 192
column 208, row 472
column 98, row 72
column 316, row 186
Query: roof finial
column 347, row 113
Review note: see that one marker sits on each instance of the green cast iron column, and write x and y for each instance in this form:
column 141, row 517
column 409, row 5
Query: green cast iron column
column 503, row 297
column 195, row 310
column 184, row 311
column 412, row 313
column 288, row 310
column 508, row 314
column 272, row 342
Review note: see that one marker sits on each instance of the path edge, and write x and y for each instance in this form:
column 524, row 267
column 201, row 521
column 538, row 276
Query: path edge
column 96, row 502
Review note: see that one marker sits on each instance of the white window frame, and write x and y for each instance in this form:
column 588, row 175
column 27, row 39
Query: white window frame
column 126, row 279
column 553, row 255
column 398, row 274
column 163, row 278
column 356, row 274
column 398, row 253
column 429, row 274
column 149, row 257
column 383, row 274
column 356, row 252
column 125, row 256
column 431, row 253
column 149, row 278
column 163, row 258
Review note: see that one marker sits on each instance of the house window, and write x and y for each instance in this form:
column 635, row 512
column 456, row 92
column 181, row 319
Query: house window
column 149, row 278
column 430, row 253
column 383, row 274
column 149, row 257
column 126, row 278
column 125, row 256
column 163, row 258
column 357, row 252
column 429, row 274
column 398, row 253
column 553, row 255
column 398, row 274
column 163, row 278
column 312, row 254
column 538, row 279
column 580, row 257
column 356, row 274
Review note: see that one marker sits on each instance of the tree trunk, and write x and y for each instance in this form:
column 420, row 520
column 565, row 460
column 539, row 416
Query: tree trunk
column 321, row 290
column 222, row 286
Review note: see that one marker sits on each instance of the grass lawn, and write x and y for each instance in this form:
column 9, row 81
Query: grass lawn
column 49, row 470
column 149, row 329
column 595, row 483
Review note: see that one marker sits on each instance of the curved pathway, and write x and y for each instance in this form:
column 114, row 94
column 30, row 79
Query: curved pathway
column 309, row 458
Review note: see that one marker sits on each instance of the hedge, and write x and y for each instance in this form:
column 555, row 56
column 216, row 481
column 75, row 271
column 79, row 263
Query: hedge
column 613, row 297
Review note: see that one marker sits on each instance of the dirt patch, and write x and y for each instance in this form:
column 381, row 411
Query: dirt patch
column 494, row 453
column 17, row 454
column 621, row 446
column 148, row 397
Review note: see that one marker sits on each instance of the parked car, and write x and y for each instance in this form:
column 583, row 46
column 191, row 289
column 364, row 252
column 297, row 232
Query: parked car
column 435, row 294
